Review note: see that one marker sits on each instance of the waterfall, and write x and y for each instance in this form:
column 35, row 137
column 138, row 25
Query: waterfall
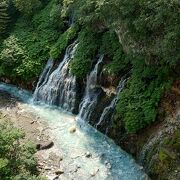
column 91, row 94
column 107, row 113
column 43, row 78
column 59, row 87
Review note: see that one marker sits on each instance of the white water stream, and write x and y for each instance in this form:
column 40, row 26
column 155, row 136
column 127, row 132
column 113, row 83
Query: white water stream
column 59, row 87
column 90, row 98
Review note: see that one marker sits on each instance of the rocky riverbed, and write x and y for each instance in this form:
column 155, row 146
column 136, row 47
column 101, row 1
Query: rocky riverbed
column 50, row 158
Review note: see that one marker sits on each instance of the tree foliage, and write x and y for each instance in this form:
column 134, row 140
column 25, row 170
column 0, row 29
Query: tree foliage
column 27, row 7
column 26, row 50
column 59, row 47
column 138, row 103
column 4, row 16
column 111, row 47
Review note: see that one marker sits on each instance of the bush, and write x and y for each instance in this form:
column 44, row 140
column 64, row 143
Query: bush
column 138, row 103
column 15, row 61
column 11, row 56
column 25, row 52
column 16, row 158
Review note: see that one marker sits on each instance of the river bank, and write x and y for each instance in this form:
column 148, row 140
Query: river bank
column 36, row 132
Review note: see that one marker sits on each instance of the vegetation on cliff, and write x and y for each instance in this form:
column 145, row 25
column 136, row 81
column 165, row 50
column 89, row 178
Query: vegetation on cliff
column 139, row 37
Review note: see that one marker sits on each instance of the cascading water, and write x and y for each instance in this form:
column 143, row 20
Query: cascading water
column 43, row 78
column 59, row 87
column 91, row 94
column 107, row 114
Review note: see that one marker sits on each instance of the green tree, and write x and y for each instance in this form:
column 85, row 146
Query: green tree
column 4, row 17
column 27, row 7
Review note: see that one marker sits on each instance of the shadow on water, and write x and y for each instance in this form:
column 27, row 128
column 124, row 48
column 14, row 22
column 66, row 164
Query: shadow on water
column 6, row 100
column 19, row 93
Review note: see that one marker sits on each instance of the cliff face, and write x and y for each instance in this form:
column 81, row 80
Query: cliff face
column 160, row 153
column 157, row 147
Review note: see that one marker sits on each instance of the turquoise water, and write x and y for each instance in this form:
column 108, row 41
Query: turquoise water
column 110, row 160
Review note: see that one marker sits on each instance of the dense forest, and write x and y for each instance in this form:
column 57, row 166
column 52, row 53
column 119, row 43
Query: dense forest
column 138, row 38
column 32, row 31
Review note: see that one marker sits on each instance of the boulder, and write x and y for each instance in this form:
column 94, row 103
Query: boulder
column 59, row 172
column 88, row 154
column 72, row 129
column 52, row 177
column 93, row 173
column 45, row 145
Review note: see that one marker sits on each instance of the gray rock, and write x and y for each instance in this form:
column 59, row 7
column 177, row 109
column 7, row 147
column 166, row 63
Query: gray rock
column 108, row 165
column 59, row 171
column 72, row 129
column 88, row 154
column 47, row 168
column 46, row 145
column 93, row 173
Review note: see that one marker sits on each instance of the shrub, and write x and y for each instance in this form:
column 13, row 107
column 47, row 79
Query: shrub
column 26, row 50
column 138, row 103
column 16, row 158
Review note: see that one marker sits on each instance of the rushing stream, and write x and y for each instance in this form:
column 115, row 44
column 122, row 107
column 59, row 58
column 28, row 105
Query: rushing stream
column 110, row 160
column 91, row 94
